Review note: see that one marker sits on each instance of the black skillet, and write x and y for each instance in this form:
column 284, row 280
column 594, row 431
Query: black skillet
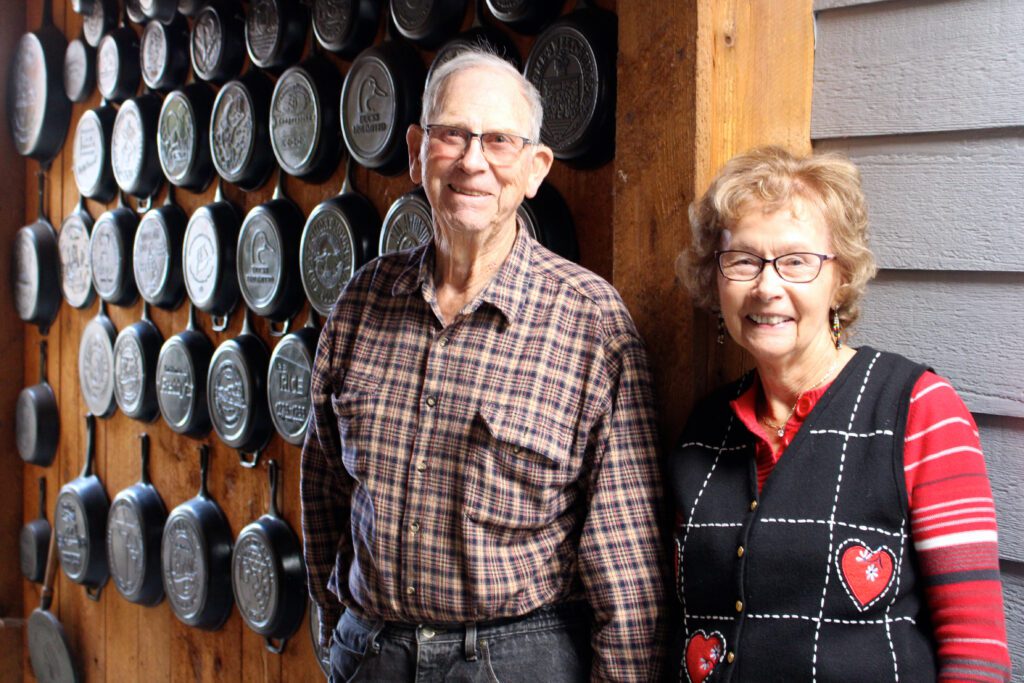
column 35, row 540
column 428, row 23
column 82, row 6
column 268, row 575
column 525, row 16
column 90, row 163
column 304, row 130
column 275, row 33
column 236, row 393
column 117, row 63
column 267, row 258
column 408, row 224
column 38, row 110
column 240, row 131
column 209, row 259
column 339, row 237
column 181, row 380
column 134, row 10
column 346, row 27
column 183, row 137
column 135, row 527
column 75, row 265
column 156, row 255
column 37, row 420
column 547, row 217
column 163, row 11
column 217, row 46
column 163, row 53
column 135, row 355
column 98, row 20
column 196, row 558
column 80, row 523
column 288, row 381
column 48, row 647
column 96, row 364
column 572, row 63
column 191, row 8
column 79, row 70
column 35, row 269
column 110, row 254
column 379, row 101
column 478, row 36
column 133, row 153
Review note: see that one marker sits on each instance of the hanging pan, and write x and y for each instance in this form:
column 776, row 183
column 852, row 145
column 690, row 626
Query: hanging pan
column 133, row 149
column 135, row 527
column 98, row 20
column 572, row 63
column 239, row 131
column 117, row 63
column 75, row 266
column 191, row 8
column 346, row 27
column 209, row 259
column 339, row 237
column 525, row 16
column 428, row 23
column 408, row 224
column 183, row 137
column 110, row 254
column 275, row 33
column 181, row 380
column 38, row 110
column 156, row 254
column 236, row 393
column 217, row 45
column 304, row 132
column 478, row 36
column 164, row 11
column 90, row 160
column 80, row 523
column 79, row 70
column 195, row 557
column 288, row 381
column 268, row 575
column 37, row 420
column 35, row 541
column 48, row 648
column 547, row 218
column 135, row 354
column 134, row 10
column 35, row 269
column 96, row 364
column 163, row 53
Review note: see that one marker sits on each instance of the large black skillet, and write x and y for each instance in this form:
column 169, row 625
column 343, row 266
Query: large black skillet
column 35, row 270
column 181, row 380
column 34, row 541
column 427, row 22
column 346, row 26
column 37, row 423
column 209, row 259
column 48, row 647
column 525, row 16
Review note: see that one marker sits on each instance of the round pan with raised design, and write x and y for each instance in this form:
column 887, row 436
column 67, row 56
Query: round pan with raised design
column 35, row 269
column 525, row 16
column 304, row 129
column 133, row 146
column 110, row 255
column 428, row 23
column 98, row 20
column 209, row 259
column 90, row 161
column 96, row 364
column 288, row 381
column 117, row 64
column 346, row 27
column 136, row 350
column 408, row 223
column 183, row 137
column 181, row 380
column 275, row 33
column 239, row 131
column 75, row 263
column 37, row 419
column 163, row 53
column 79, row 70
column 217, row 44
column 156, row 254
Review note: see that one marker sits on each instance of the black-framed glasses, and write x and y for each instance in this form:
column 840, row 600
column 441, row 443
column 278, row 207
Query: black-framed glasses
column 498, row 147
column 797, row 267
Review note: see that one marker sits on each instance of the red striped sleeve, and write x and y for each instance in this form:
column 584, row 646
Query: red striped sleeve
column 953, row 524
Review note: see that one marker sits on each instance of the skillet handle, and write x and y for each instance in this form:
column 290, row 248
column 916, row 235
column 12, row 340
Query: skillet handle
column 277, row 648
column 275, row 331
column 219, row 322
column 251, row 463
column 94, row 593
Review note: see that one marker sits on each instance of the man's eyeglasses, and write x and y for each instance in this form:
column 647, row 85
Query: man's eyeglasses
column 798, row 267
column 500, row 149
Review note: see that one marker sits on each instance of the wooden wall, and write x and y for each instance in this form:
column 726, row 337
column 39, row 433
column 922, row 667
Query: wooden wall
column 698, row 82
column 926, row 98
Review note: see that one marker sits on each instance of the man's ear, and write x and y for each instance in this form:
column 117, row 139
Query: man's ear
column 540, row 164
column 414, row 139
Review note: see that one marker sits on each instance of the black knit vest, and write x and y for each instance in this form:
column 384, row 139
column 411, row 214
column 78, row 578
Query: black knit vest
column 814, row 579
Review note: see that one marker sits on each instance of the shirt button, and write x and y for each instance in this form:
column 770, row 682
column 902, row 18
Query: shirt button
column 739, row 605
column 730, row 657
column 421, row 464
column 753, row 505
column 431, row 401
column 442, row 342
column 409, row 590
column 740, row 551
column 517, row 449
column 414, row 527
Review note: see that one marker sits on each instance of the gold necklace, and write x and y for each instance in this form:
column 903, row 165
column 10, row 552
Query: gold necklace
column 781, row 429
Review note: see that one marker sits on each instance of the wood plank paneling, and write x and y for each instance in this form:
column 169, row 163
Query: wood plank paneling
column 1001, row 439
column 943, row 201
column 957, row 323
column 908, row 66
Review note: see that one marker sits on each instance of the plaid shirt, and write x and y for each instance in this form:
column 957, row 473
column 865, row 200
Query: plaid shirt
column 490, row 467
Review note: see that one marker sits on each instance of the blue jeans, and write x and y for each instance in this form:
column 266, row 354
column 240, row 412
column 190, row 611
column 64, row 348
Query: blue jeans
column 550, row 645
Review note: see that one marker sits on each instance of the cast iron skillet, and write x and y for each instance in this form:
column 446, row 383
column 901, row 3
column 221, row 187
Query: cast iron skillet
column 572, row 63
column 75, row 267
column 379, row 101
column 35, row 269
column 135, row 354
column 48, row 647
column 96, row 364
column 133, row 152
column 209, row 259
column 240, row 131
column 525, row 16
column 110, row 253
column 275, row 33
column 408, row 224
column 94, row 175
column 479, row 35
column 135, row 527
column 163, row 53
column 156, row 256
column 268, row 257
column 217, row 46
column 191, row 8
column 37, row 420
column 160, row 10
column 268, row 575
column 98, row 20
column 288, row 381
column 34, row 541
column 183, row 137
column 181, row 380
column 346, row 26
column 134, row 11
column 79, row 70
column 237, row 395
column 117, row 63
column 339, row 237
column 38, row 110
column 427, row 22
column 196, row 558
column 304, row 130
column 547, row 217
column 80, row 523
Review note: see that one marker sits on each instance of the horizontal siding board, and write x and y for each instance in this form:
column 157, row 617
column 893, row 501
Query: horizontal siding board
column 962, row 324
column 1013, row 603
column 909, row 67
column 1001, row 439
column 949, row 201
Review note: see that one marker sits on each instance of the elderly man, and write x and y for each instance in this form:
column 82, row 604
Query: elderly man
column 480, row 483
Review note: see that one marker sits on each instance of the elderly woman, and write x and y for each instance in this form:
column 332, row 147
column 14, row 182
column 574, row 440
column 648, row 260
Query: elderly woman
column 834, row 520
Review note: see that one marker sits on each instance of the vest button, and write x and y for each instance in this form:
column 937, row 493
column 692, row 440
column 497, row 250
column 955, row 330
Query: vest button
column 739, row 551
column 753, row 505
column 739, row 605
column 730, row 657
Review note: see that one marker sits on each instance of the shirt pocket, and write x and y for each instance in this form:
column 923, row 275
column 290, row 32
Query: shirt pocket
column 354, row 410
column 518, row 469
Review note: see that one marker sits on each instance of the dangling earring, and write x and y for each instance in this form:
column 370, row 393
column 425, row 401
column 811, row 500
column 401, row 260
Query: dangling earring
column 837, row 329
column 721, row 330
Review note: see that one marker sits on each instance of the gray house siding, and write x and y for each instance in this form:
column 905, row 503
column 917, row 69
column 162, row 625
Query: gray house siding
column 927, row 98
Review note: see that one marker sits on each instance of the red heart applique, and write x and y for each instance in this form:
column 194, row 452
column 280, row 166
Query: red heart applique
column 866, row 573
column 703, row 652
